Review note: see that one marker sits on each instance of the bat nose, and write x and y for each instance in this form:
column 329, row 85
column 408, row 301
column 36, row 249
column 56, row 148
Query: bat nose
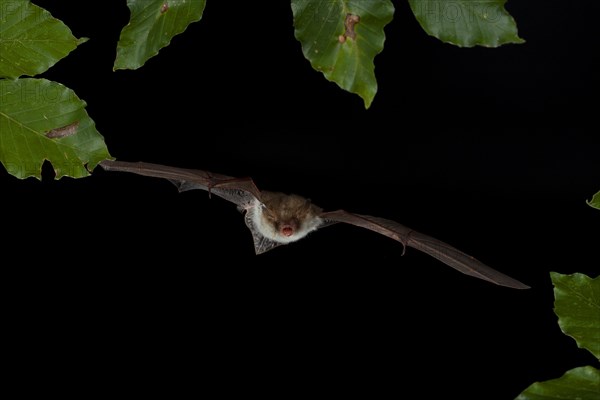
column 287, row 231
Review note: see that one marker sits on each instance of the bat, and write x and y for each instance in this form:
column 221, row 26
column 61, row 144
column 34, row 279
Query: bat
column 276, row 218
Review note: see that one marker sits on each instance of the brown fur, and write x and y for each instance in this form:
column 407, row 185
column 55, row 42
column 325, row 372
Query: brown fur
column 287, row 210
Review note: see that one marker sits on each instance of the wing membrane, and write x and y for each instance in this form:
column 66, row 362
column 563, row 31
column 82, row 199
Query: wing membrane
column 241, row 191
column 441, row 251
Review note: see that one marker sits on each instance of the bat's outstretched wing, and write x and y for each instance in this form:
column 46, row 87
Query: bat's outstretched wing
column 241, row 191
column 435, row 248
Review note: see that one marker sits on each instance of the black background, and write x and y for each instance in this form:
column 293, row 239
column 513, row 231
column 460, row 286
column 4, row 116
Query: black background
column 492, row 150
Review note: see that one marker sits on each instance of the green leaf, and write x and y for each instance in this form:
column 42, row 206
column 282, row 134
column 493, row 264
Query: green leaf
column 152, row 25
column 338, row 46
column 467, row 23
column 31, row 40
column 577, row 384
column 595, row 202
column 577, row 304
column 43, row 120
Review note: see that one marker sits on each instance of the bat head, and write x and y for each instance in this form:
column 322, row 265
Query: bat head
column 285, row 218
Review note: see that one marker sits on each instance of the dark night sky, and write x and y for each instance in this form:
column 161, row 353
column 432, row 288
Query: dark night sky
column 487, row 149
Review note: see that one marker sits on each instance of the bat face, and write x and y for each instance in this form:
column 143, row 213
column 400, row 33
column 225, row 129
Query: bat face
column 285, row 218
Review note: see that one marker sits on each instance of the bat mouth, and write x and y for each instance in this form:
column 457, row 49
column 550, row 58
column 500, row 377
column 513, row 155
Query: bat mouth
column 287, row 231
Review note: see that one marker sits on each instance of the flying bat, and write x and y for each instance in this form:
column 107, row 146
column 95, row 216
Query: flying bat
column 276, row 218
